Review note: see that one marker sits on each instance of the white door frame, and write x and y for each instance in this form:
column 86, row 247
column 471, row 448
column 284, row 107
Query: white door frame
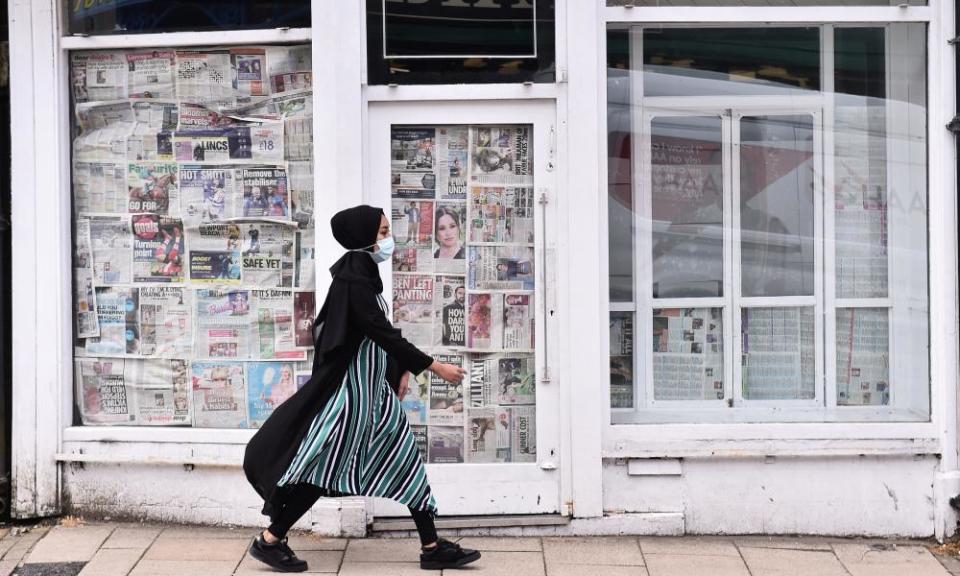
column 514, row 488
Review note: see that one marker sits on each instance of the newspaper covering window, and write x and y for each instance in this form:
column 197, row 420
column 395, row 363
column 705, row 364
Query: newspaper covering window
column 863, row 357
column 621, row 360
column 778, row 353
column 463, row 286
column 194, row 233
column 688, row 354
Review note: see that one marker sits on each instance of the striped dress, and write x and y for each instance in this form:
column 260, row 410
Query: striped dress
column 361, row 443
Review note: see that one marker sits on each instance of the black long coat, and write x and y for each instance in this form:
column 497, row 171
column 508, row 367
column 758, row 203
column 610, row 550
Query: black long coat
column 350, row 314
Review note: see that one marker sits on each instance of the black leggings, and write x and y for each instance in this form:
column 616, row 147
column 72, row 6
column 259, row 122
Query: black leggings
column 302, row 496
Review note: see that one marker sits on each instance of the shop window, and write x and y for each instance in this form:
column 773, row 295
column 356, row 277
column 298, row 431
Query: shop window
column 460, row 41
column 193, row 255
column 767, row 239
column 752, row 3
column 145, row 16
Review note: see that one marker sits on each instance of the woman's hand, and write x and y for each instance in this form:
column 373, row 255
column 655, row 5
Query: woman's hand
column 449, row 372
column 404, row 385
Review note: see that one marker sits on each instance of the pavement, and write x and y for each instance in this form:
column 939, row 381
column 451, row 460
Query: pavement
column 75, row 548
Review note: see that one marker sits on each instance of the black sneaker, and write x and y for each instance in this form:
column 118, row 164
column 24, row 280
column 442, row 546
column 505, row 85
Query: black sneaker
column 278, row 556
column 447, row 554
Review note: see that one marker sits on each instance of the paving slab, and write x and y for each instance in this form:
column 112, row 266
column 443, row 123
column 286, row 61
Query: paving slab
column 690, row 545
column 318, row 562
column 184, row 568
column 688, row 565
column 594, row 570
column 312, row 542
column 112, row 562
column 207, row 533
column 62, row 544
column 502, row 544
column 782, row 562
column 951, row 563
column 383, row 550
column 134, row 537
column 622, row 551
column 23, row 542
column 382, row 569
column 888, row 560
column 206, row 549
column 505, row 564
column 784, row 542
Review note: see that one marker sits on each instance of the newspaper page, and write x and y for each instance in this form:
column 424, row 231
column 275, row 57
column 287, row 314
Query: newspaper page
column 166, row 321
column 161, row 390
column 501, row 215
column 413, row 231
column 118, row 316
column 621, row 360
column 158, row 249
column 150, row 74
column 267, row 252
column 523, row 433
column 152, row 136
column 517, row 324
column 259, row 143
column 306, row 259
column 265, row 192
column 413, row 307
column 250, row 64
column 482, row 437
column 501, row 155
column 863, row 357
column 300, row 176
column 412, row 154
column 98, row 76
column 484, row 330
column 219, row 395
column 778, row 353
column 514, row 375
column 450, row 236
column 417, row 398
column 215, row 254
column 269, row 384
column 103, row 394
column 501, row 268
column 482, row 381
column 453, row 161
column 84, row 297
column 289, row 68
column 111, row 240
column 446, row 398
column 304, row 312
column 420, row 437
column 449, row 305
column 204, row 76
column 688, row 354
column 152, row 187
column 100, row 187
column 195, row 116
column 208, row 194
column 274, row 326
column 445, row 444
column 224, row 323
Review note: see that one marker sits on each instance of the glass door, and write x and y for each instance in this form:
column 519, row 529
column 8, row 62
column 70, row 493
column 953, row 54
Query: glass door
column 463, row 185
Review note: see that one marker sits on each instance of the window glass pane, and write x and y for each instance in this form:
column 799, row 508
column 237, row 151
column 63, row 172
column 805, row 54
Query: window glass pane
column 777, row 194
column 142, row 16
column 741, row 61
column 688, row 354
column 621, row 360
column 765, row 3
column 686, row 157
column 620, row 205
column 863, row 357
column 193, row 233
column 778, row 353
column 460, row 41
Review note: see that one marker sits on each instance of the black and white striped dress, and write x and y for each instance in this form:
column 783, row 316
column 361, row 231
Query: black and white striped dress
column 361, row 443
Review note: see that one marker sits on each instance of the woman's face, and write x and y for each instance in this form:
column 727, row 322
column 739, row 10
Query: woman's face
column 448, row 233
column 384, row 231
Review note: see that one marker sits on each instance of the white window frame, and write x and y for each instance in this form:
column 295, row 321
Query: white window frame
column 938, row 435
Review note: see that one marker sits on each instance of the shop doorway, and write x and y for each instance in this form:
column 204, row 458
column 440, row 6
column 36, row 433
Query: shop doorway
column 466, row 186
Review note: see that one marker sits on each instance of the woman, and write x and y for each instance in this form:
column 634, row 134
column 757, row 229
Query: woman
column 448, row 234
column 344, row 432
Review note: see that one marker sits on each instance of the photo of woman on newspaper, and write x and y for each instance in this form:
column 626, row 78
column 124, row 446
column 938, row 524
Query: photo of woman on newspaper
column 449, row 233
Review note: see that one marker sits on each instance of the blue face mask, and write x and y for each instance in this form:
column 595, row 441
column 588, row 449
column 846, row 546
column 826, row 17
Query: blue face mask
column 386, row 250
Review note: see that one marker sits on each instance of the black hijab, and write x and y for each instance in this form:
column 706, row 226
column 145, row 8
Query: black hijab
column 356, row 229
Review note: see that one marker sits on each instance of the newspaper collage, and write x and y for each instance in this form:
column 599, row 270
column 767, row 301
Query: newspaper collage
column 863, row 357
column 778, row 353
column 194, row 282
column 687, row 354
column 463, row 286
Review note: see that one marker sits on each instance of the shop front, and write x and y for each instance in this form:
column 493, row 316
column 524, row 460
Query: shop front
column 699, row 268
